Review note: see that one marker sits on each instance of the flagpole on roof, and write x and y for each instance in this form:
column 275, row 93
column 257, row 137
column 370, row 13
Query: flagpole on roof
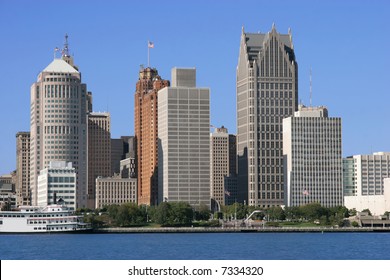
column 150, row 45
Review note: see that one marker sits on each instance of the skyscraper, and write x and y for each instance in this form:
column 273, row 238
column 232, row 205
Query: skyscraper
column 312, row 158
column 22, row 186
column 267, row 92
column 58, row 122
column 146, row 130
column 99, row 151
column 184, row 140
column 222, row 162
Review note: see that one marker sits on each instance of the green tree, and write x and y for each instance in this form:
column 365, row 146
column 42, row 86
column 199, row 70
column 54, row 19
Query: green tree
column 203, row 213
column 293, row 213
column 313, row 211
column 276, row 213
column 163, row 214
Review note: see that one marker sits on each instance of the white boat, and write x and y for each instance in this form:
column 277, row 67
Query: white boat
column 50, row 219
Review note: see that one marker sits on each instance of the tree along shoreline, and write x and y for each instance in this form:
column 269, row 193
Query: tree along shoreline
column 182, row 215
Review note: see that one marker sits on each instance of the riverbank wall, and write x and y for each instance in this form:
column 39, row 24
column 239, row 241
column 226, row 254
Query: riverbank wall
column 235, row 230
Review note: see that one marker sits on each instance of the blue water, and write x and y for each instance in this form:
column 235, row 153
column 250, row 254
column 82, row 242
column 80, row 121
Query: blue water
column 197, row 246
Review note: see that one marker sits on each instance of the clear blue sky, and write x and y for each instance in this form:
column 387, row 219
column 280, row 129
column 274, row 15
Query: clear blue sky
column 345, row 42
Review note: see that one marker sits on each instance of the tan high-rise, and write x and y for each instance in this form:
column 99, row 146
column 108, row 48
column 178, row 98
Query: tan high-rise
column 99, row 151
column 146, row 133
column 23, row 168
column 58, row 123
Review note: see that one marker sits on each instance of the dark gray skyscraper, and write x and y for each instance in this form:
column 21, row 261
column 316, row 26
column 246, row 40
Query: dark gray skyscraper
column 267, row 92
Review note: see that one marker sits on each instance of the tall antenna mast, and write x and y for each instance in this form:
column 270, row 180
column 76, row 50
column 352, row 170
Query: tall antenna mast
column 65, row 50
column 311, row 90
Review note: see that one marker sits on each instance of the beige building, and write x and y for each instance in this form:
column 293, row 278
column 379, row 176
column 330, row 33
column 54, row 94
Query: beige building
column 58, row 123
column 22, row 186
column 184, row 140
column 219, row 163
column 115, row 190
column 99, row 151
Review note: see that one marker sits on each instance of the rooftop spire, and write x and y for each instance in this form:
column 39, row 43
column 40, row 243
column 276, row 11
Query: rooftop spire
column 65, row 50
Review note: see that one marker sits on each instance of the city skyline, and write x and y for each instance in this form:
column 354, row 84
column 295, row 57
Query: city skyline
column 344, row 43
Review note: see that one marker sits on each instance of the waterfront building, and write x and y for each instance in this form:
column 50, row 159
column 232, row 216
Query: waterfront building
column 58, row 123
column 219, row 163
column 364, row 180
column 115, row 190
column 222, row 162
column 22, row 186
column 312, row 158
column 99, row 151
column 184, row 140
column 378, row 204
column 146, row 130
column 57, row 183
column 7, row 192
column 267, row 92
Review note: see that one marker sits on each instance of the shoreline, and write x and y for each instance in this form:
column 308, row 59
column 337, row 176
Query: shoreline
column 236, row 230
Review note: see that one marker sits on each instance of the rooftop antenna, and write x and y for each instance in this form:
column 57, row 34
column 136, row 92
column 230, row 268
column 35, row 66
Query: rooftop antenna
column 311, row 89
column 65, row 50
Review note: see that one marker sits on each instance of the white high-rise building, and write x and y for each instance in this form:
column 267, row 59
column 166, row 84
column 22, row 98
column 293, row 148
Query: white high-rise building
column 313, row 167
column 364, row 182
column 367, row 173
column 57, row 182
column 184, row 140
column 58, row 122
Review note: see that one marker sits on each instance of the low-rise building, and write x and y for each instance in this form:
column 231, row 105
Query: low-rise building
column 58, row 182
column 377, row 204
column 115, row 190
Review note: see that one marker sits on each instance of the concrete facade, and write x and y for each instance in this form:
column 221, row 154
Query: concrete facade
column 312, row 158
column 115, row 190
column 184, row 144
column 146, row 133
column 99, row 151
column 367, row 174
column 58, row 123
column 219, row 163
column 56, row 182
column 22, row 186
column 267, row 92
column 378, row 204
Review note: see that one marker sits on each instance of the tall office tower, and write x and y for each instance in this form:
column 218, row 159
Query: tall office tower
column 99, row 151
column 57, row 182
column 58, row 122
column 146, row 126
column 267, row 92
column 184, row 140
column 22, row 186
column 220, row 163
column 312, row 158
